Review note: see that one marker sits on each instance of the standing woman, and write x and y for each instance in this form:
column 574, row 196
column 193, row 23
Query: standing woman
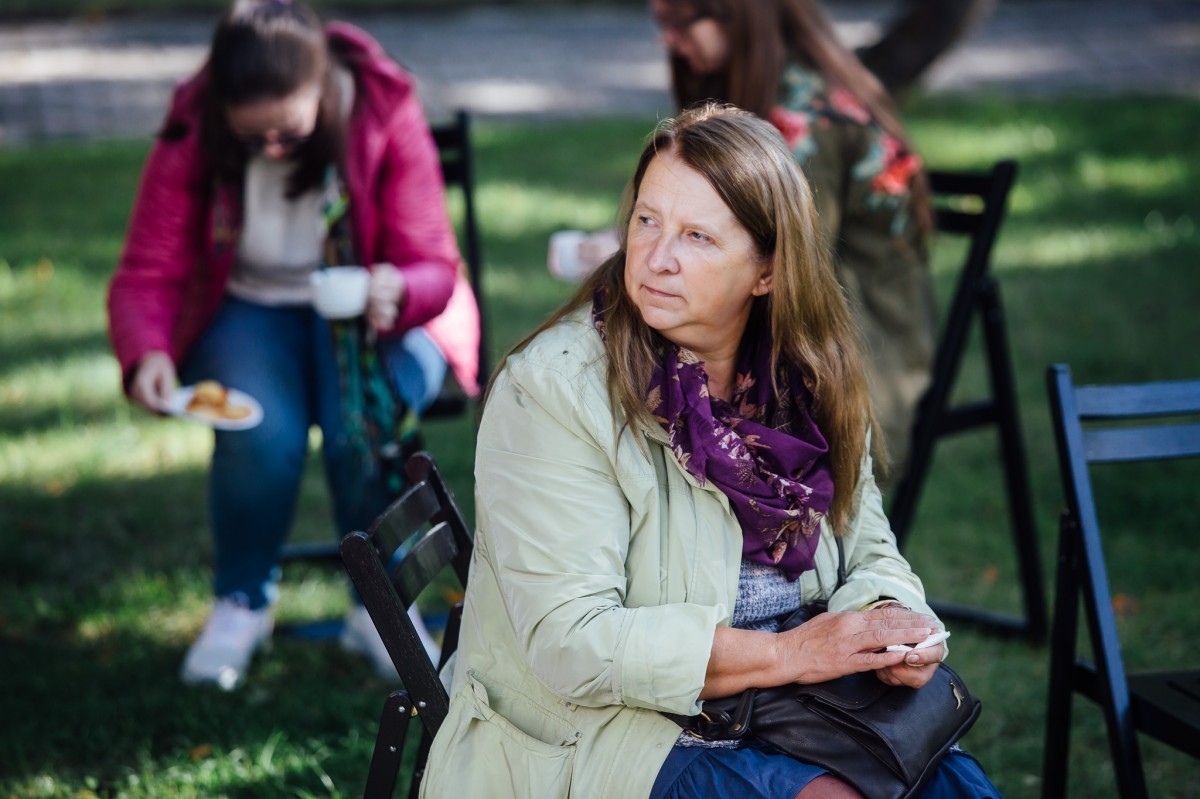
column 296, row 145
column 781, row 59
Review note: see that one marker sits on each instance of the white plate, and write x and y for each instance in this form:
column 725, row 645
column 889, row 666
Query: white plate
column 177, row 406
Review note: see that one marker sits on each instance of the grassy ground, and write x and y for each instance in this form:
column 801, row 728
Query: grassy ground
column 103, row 546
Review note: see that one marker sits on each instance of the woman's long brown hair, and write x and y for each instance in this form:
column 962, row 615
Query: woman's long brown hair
column 749, row 165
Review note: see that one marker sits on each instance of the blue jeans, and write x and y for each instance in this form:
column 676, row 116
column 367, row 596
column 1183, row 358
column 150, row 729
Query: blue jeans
column 284, row 358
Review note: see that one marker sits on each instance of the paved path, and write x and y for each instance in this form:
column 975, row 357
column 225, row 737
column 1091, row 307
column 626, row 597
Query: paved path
column 112, row 77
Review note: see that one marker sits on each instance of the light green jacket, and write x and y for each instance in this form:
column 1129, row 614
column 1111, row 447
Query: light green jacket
column 601, row 572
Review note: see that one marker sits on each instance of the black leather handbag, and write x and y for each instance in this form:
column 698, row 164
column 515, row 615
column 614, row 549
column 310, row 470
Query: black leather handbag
column 885, row 741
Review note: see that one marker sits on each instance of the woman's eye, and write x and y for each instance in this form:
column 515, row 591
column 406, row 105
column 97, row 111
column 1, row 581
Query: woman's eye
column 698, row 236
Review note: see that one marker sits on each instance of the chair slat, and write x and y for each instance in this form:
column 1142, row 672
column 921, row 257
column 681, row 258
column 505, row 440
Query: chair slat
column 403, row 518
column 946, row 182
column 436, row 550
column 1123, row 444
column 960, row 222
column 1165, row 398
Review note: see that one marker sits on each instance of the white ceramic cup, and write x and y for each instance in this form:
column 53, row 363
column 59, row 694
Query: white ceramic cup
column 340, row 292
column 563, row 258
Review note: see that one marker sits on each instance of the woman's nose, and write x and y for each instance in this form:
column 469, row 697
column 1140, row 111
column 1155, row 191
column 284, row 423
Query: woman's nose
column 662, row 255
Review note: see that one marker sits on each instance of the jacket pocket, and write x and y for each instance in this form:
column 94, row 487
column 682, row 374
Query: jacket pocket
column 478, row 752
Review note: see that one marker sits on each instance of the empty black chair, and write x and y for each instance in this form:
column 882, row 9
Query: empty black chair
column 458, row 171
column 407, row 547
column 1105, row 425
column 973, row 204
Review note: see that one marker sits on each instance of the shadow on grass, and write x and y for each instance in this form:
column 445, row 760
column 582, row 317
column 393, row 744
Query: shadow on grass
column 103, row 708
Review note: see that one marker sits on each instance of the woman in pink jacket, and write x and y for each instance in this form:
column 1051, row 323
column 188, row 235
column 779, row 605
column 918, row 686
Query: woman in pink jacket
column 296, row 145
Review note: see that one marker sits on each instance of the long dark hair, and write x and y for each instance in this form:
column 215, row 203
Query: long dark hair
column 763, row 35
column 268, row 50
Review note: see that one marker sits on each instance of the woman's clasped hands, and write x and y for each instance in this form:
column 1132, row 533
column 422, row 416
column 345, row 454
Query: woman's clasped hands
column 831, row 645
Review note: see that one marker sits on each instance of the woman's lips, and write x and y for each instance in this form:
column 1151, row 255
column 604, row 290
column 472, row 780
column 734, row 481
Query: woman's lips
column 659, row 293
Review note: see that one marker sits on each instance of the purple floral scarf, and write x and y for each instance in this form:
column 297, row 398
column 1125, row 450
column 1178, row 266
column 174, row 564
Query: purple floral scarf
column 767, row 457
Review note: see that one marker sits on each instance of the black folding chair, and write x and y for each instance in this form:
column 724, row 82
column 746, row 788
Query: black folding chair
column 1104, row 425
column 458, row 171
column 973, row 205
column 453, row 141
column 407, row 547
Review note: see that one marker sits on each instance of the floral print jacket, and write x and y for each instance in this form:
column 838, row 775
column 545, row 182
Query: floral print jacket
column 824, row 125
column 861, row 178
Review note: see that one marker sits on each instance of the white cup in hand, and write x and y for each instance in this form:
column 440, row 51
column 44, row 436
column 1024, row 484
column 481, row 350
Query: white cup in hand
column 340, row 292
column 574, row 254
column 563, row 259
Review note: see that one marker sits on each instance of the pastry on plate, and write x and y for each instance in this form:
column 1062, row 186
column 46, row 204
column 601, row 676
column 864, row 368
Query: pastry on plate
column 210, row 398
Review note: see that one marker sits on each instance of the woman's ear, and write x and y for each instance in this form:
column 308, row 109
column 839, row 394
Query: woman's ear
column 765, row 277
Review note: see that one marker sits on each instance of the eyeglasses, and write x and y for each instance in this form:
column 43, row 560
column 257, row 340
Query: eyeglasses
column 258, row 142
column 679, row 27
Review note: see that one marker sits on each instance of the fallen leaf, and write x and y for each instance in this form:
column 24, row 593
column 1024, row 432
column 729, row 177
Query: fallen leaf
column 1124, row 605
column 990, row 575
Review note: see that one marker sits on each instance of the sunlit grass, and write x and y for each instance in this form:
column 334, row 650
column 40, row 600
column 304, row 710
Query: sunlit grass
column 104, row 549
column 515, row 209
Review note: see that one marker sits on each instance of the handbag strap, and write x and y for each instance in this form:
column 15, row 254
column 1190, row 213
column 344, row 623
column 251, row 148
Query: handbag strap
column 841, row 570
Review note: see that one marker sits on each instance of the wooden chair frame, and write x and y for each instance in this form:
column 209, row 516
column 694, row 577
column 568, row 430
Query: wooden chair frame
column 977, row 295
column 1124, row 423
column 421, row 533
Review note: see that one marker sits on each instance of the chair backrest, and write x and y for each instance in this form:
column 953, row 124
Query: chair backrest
column 411, row 542
column 1104, row 424
column 453, row 141
column 971, row 204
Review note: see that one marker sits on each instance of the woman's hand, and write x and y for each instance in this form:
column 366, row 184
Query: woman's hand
column 385, row 293
column 153, row 381
column 917, row 668
column 831, row 645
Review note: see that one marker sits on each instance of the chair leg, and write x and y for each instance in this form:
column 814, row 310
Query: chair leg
column 1062, row 663
column 418, row 774
column 1016, row 470
column 389, row 747
column 932, row 407
column 1112, row 687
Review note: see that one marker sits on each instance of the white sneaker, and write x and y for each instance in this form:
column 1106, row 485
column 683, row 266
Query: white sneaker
column 223, row 651
column 360, row 635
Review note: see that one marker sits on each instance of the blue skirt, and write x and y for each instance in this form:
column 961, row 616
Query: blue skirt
column 756, row 771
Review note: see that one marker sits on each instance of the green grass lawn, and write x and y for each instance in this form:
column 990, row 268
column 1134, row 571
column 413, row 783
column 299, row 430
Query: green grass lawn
column 103, row 545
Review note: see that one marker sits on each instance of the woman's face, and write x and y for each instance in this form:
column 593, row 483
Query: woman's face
column 697, row 39
column 276, row 127
column 691, row 268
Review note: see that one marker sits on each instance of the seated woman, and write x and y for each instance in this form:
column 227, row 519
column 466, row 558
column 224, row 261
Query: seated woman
column 661, row 470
